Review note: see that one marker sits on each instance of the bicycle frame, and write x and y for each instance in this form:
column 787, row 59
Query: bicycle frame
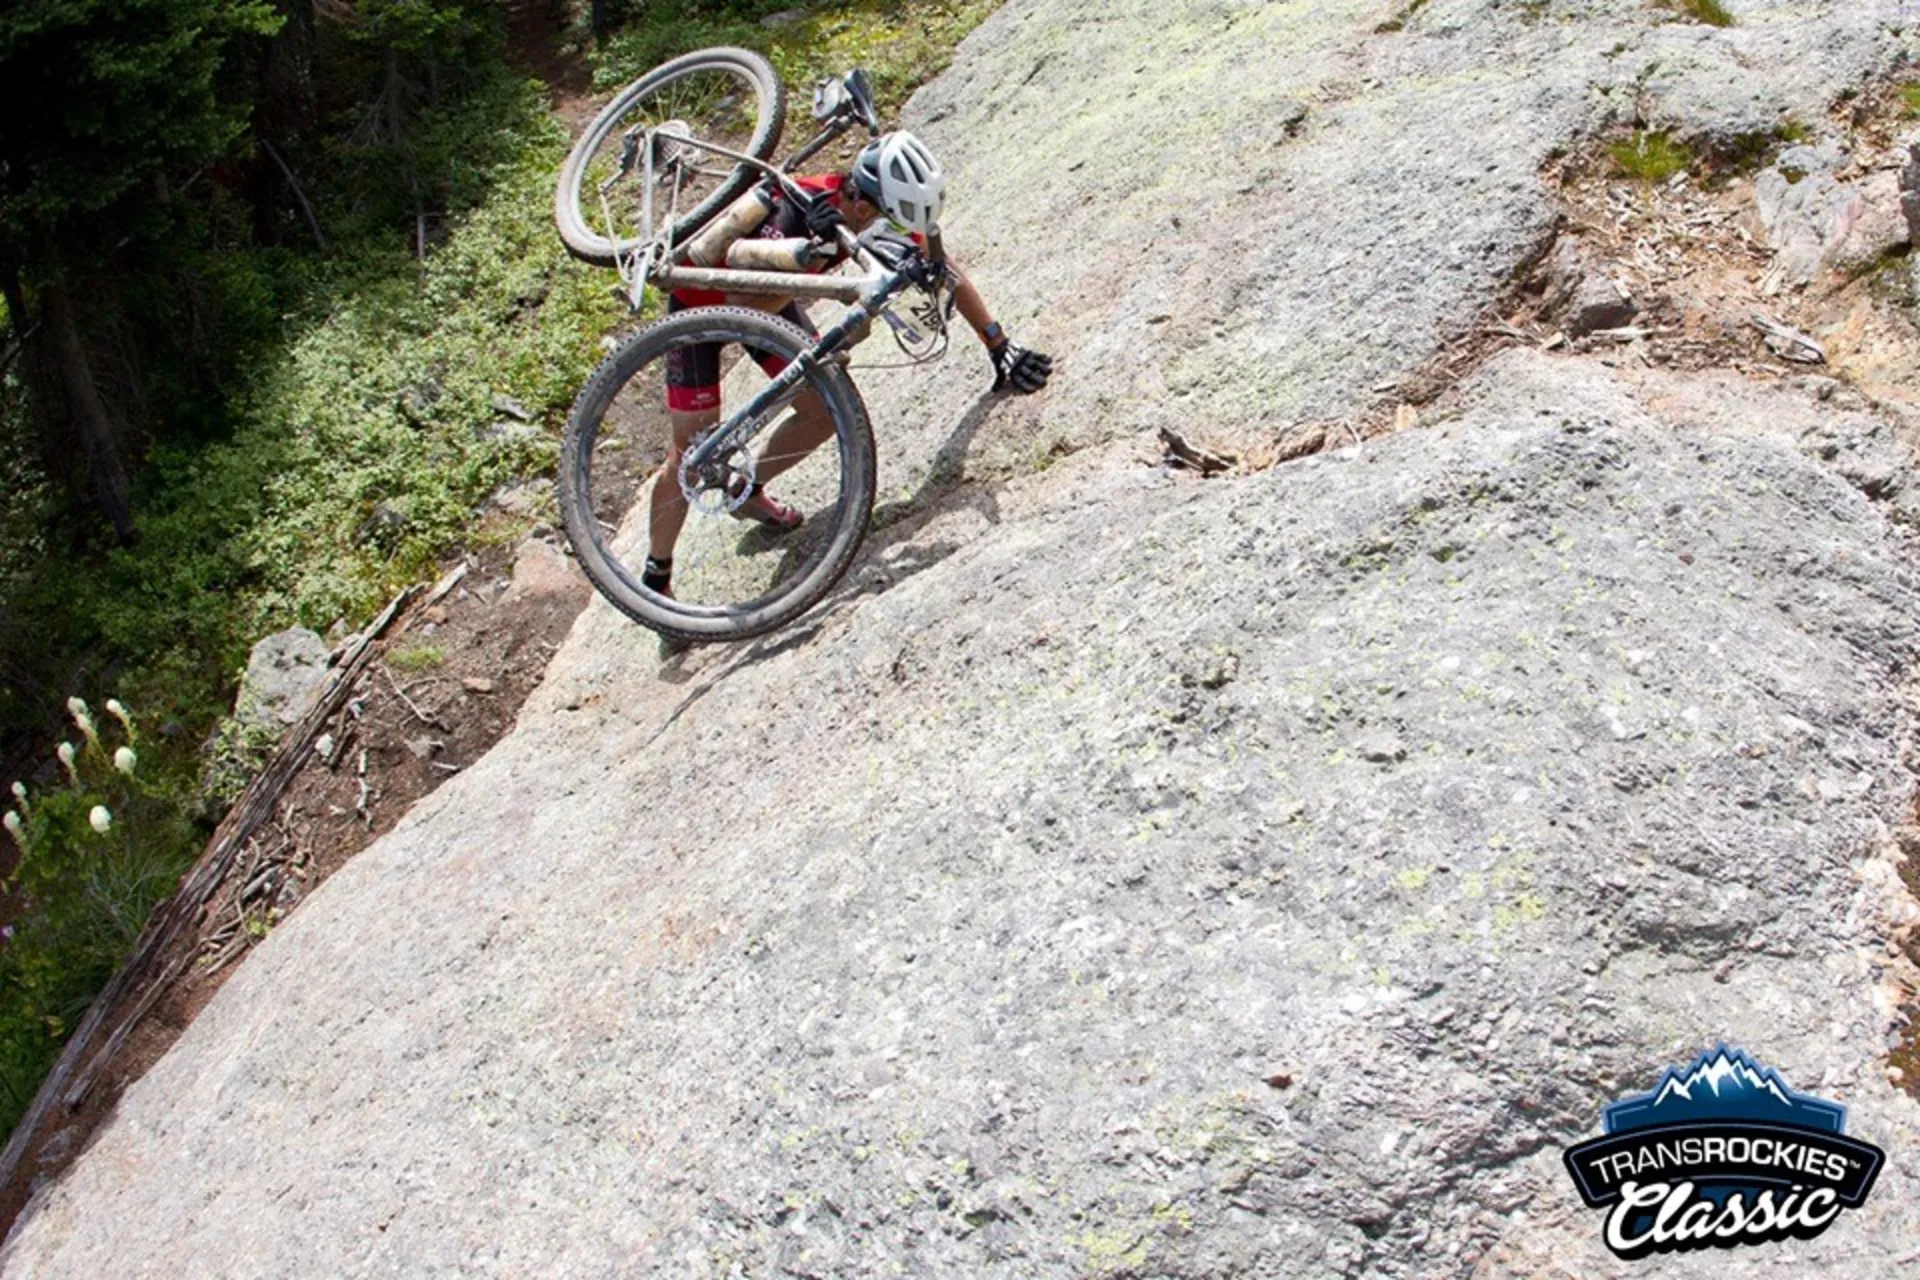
column 867, row 293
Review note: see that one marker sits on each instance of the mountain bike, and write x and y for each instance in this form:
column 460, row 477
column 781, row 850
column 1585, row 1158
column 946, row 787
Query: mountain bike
column 666, row 155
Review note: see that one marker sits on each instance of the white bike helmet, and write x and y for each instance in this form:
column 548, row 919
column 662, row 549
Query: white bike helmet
column 898, row 173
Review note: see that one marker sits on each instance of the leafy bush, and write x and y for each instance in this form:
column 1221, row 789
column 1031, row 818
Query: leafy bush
column 96, row 853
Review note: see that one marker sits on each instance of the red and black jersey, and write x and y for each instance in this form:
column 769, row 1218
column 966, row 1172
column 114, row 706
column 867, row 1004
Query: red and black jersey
column 786, row 222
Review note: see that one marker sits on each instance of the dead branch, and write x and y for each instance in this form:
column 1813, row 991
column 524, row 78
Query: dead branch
column 1786, row 342
column 446, row 584
column 1181, row 454
column 418, row 714
column 293, row 183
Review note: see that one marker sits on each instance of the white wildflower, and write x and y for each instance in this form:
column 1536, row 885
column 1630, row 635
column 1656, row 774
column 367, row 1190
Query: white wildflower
column 65, row 752
column 124, row 760
column 78, row 706
column 118, row 711
column 12, row 823
column 100, row 819
column 20, row 792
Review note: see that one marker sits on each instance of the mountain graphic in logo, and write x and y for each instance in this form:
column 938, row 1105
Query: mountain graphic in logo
column 1720, row 1154
column 1723, row 1084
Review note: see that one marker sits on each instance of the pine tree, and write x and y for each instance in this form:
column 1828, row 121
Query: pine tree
column 108, row 110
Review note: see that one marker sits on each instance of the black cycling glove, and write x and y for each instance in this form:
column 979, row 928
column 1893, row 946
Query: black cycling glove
column 1019, row 370
column 822, row 219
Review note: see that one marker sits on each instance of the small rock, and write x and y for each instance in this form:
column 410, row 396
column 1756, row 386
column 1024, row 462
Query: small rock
column 436, row 616
column 284, row 673
column 522, row 500
column 385, row 523
column 539, row 569
column 1561, row 274
column 1872, row 224
column 1814, row 222
column 477, row 684
column 1797, row 162
column 1910, row 188
column 508, row 433
column 1598, row 303
column 1381, row 749
column 416, row 403
column 424, row 748
column 511, row 407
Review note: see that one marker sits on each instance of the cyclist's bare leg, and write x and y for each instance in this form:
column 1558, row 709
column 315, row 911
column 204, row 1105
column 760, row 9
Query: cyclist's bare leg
column 669, row 505
column 804, row 430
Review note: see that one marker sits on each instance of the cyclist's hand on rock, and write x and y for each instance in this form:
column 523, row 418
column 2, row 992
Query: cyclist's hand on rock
column 1019, row 370
column 822, row 218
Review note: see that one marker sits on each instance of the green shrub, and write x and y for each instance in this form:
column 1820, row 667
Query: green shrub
column 1650, row 156
column 417, row 657
column 97, row 852
column 1712, row 12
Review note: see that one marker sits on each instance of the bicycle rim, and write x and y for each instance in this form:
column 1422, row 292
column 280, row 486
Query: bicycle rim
column 727, row 96
column 734, row 576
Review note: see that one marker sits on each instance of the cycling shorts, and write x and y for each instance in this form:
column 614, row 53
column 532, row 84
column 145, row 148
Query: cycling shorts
column 693, row 371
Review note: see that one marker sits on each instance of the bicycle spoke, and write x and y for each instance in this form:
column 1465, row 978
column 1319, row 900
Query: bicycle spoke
column 719, row 559
column 693, row 102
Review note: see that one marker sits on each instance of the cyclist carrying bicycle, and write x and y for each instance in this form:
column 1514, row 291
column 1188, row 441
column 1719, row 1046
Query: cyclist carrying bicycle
column 894, row 175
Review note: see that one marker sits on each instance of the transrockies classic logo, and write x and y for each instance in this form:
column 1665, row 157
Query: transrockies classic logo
column 1721, row 1154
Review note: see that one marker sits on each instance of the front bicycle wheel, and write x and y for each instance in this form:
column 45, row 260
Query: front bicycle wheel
column 626, row 491
column 728, row 96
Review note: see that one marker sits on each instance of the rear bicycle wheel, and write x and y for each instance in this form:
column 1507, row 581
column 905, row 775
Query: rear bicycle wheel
column 728, row 96
column 623, row 495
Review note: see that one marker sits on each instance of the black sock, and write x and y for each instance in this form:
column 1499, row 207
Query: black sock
column 657, row 575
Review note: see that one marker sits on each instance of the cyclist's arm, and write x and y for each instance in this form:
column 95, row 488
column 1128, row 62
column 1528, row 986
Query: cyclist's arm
column 972, row 307
column 1015, row 368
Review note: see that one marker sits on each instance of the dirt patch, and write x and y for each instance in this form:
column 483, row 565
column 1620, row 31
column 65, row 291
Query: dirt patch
column 448, row 683
column 540, row 42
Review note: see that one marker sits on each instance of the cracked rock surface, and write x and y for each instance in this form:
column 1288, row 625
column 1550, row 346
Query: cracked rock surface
column 1127, row 874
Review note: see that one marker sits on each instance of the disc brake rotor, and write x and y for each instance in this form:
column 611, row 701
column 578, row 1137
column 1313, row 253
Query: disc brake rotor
column 721, row 486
